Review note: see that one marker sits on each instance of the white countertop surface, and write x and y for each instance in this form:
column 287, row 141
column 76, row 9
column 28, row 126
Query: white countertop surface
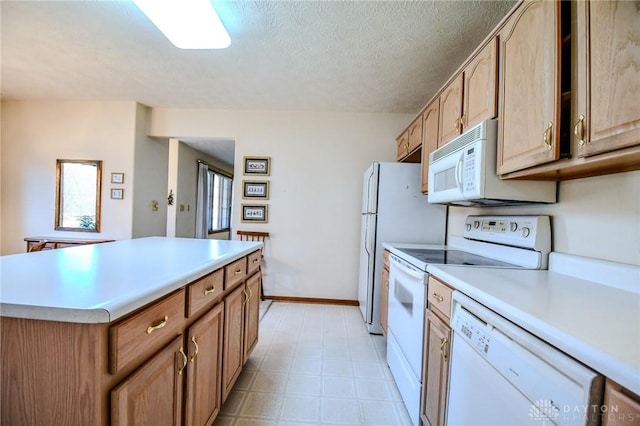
column 100, row 283
column 594, row 323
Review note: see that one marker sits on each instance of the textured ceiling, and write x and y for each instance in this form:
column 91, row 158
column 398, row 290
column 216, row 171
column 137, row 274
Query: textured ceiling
column 360, row 56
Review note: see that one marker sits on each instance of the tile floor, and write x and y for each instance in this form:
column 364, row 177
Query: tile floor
column 315, row 365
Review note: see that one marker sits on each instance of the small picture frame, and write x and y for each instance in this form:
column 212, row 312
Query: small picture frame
column 117, row 193
column 257, row 166
column 255, row 213
column 255, row 190
column 117, row 177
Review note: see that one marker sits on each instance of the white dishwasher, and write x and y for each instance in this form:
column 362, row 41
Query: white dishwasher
column 503, row 375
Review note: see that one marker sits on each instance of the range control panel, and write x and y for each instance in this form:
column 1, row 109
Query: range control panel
column 532, row 232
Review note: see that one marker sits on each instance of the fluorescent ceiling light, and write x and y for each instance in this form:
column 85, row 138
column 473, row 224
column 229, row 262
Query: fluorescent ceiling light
column 188, row 24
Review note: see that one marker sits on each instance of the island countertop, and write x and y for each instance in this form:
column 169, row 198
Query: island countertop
column 100, row 283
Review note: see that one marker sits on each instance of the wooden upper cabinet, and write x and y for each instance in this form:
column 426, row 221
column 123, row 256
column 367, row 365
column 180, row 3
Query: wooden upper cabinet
column 450, row 124
column 481, row 86
column 529, row 95
column 403, row 145
column 608, row 60
column 430, row 119
column 415, row 134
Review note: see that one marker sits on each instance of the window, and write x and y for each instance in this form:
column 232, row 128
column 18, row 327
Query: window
column 219, row 201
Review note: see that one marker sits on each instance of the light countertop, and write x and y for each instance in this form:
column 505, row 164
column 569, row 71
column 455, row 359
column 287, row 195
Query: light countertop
column 596, row 324
column 100, row 283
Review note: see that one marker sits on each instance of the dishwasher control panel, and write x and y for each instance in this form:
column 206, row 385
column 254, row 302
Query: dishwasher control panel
column 472, row 329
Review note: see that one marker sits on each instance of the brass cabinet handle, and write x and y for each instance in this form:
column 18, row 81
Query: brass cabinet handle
column 546, row 136
column 162, row 323
column 195, row 348
column 438, row 297
column 456, row 124
column 443, row 354
column 209, row 290
column 246, row 296
column 184, row 361
column 238, row 272
column 256, row 260
column 463, row 122
column 578, row 130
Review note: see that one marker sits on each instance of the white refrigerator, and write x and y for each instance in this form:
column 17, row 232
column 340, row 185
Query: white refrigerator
column 393, row 211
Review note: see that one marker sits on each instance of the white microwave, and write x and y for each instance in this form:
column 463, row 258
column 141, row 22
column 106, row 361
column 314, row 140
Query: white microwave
column 463, row 172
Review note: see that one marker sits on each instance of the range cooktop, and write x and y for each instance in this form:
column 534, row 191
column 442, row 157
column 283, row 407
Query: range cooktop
column 453, row 257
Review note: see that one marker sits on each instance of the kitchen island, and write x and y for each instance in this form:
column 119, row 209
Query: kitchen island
column 153, row 329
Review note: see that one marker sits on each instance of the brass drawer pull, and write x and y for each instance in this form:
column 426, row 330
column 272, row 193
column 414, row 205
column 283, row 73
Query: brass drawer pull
column 256, row 260
column 184, row 361
column 238, row 272
column 443, row 342
column 578, row 130
column 152, row 328
column 195, row 348
column 209, row 290
column 438, row 297
column 546, row 136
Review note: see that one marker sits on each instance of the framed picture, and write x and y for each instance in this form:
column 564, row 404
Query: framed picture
column 117, row 193
column 254, row 213
column 257, row 166
column 117, row 177
column 255, row 190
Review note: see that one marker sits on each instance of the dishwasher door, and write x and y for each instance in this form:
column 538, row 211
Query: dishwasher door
column 500, row 374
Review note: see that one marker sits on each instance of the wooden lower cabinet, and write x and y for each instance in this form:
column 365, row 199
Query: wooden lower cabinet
column 252, row 315
column 153, row 394
column 203, row 391
column 621, row 407
column 435, row 370
column 232, row 360
column 66, row 373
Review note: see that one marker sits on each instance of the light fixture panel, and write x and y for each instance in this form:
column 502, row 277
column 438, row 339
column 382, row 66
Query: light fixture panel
column 188, row 24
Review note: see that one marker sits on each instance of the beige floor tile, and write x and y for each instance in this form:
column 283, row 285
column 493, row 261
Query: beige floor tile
column 315, row 365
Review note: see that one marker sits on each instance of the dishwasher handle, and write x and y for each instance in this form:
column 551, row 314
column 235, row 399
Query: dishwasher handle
column 406, row 268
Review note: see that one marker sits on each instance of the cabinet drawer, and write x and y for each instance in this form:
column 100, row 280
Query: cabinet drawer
column 204, row 291
column 254, row 260
column 440, row 297
column 142, row 334
column 235, row 272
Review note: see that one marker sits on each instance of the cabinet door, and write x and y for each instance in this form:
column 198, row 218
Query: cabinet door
column 403, row 145
column 152, row 395
column 613, row 77
column 384, row 301
column 430, row 118
column 252, row 315
column 450, row 111
column 435, row 370
column 233, row 339
column 622, row 406
column 481, row 86
column 528, row 129
column 415, row 134
column 204, row 369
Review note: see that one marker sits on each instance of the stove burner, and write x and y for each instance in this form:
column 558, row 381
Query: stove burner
column 453, row 257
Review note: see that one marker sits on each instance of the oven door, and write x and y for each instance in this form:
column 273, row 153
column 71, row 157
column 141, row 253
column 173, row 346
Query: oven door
column 407, row 290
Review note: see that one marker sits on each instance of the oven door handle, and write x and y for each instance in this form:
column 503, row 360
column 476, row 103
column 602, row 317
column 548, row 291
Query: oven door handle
column 408, row 270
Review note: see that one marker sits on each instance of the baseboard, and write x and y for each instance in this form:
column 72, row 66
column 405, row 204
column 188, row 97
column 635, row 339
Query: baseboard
column 343, row 302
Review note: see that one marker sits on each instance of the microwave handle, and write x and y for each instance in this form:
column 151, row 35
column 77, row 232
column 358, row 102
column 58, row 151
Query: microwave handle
column 459, row 172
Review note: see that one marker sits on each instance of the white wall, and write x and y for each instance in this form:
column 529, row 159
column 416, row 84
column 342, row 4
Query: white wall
column 151, row 159
column 317, row 164
column 595, row 217
column 34, row 135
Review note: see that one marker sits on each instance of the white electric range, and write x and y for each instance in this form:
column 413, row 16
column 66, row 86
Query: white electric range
column 518, row 242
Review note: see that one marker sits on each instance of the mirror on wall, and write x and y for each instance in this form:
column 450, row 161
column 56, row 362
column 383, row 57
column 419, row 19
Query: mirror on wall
column 78, row 195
